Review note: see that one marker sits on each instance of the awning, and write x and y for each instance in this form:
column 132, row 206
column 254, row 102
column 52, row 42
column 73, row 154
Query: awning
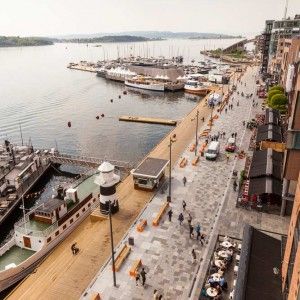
column 265, row 185
column 266, row 163
column 260, row 254
column 269, row 132
column 272, row 116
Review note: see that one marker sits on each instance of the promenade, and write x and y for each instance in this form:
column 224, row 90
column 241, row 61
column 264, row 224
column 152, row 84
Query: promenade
column 165, row 250
column 63, row 276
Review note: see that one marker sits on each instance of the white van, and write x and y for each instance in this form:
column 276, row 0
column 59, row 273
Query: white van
column 213, row 150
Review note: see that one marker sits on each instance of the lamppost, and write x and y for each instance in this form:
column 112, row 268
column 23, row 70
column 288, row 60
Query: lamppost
column 172, row 140
column 112, row 245
column 197, row 120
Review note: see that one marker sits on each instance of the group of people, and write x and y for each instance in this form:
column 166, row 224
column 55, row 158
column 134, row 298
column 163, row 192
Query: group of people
column 140, row 277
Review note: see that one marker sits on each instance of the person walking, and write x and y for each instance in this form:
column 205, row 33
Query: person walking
column 170, row 213
column 183, row 205
column 202, row 239
column 234, row 185
column 143, row 275
column 203, row 119
column 225, row 110
column 194, row 255
column 155, row 295
column 137, row 278
column 238, row 103
column 227, row 158
column 184, row 181
column 191, row 231
column 180, row 218
column 235, row 134
column 190, row 219
column 198, row 231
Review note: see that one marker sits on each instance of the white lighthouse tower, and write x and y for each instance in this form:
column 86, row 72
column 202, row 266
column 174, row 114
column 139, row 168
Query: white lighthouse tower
column 107, row 180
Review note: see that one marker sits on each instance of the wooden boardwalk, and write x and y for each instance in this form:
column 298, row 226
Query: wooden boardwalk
column 64, row 276
column 148, row 120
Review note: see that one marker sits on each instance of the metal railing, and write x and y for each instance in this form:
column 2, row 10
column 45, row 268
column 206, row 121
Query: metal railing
column 7, row 246
column 84, row 160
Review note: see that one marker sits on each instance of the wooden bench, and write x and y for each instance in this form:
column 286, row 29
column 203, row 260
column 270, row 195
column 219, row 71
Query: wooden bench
column 162, row 210
column 141, row 226
column 195, row 161
column 95, row 296
column 192, row 147
column 133, row 270
column 121, row 257
column 183, row 162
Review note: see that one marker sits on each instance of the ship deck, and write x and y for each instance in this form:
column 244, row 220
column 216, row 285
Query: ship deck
column 14, row 255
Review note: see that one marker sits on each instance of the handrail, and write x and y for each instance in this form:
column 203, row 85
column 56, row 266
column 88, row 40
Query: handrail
column 7, row 246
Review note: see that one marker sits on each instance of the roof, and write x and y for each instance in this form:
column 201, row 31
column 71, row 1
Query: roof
column 272, row 116
column 269, row 132
column 266, row 163
column 265, row 185
column 50, row 205
column 260, row 254
column 151, row 167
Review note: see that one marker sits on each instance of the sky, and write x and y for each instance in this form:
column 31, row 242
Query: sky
column 60, row 17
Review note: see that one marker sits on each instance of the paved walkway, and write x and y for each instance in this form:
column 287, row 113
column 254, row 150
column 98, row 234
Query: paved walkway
column 166, row 250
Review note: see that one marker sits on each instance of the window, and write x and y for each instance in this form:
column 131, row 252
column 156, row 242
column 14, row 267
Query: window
column 65, row 226
column 83, row 210
column 89, row 204
column 77, row 215
column 57, row 233
column 71, row 221
column 49, row 239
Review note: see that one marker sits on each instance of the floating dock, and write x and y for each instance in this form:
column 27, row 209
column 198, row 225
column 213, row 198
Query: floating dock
column 148, row 120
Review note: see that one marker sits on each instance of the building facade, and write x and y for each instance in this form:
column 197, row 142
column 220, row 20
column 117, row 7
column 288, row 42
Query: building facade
column 291, row 261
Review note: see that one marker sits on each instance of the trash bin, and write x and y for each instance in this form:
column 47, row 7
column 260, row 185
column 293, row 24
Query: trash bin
column 131, row 241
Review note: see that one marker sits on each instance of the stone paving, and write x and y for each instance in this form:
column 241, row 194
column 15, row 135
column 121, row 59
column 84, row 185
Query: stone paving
column 166, row 250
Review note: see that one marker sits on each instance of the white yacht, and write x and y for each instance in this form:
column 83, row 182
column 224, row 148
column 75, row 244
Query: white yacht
column 196, row 87
column 146, row 83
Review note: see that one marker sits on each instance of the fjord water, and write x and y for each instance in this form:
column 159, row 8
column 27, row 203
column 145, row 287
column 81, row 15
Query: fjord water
column 40, row 93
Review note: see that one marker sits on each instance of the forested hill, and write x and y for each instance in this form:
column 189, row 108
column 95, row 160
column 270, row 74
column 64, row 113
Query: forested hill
column 15, row 41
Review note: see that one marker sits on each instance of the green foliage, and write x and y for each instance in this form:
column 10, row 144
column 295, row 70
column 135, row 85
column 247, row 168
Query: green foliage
column 271, row 93
column 277, row 87
column 279, row 99
column 15, row 41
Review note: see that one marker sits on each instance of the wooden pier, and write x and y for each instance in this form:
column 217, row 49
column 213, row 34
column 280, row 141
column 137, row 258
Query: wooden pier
column 83, row 68
column 148, row 120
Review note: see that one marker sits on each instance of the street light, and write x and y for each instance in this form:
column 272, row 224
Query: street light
column 172, row 140
column 197, row 120
column 112, row 244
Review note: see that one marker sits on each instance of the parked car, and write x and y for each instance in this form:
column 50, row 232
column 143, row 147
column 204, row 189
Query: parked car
column 230, row 145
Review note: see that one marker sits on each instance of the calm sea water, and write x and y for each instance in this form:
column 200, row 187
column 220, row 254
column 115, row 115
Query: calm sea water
column 40, row 93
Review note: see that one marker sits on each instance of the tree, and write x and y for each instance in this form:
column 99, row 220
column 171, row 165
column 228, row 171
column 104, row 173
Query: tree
column 279, row 100
column 277, row 87
column 272, row 93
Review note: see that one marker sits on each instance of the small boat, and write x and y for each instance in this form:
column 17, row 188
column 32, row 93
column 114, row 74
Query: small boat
column 196, row 87
column 146, row 83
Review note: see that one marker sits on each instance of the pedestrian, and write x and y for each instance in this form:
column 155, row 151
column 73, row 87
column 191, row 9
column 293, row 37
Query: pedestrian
column 235, row 134
column 238, row 103
column 227, row 158
column 183, row 204
column 191, row 231
column 143, row 275
column 203, row 119
column 194, row 254
column 155, row 295
column 190, row 219
column 232, row 135
column 234, row 185
column 244, row 123
column 170, row 213
column 184, row 181
column 160, row 297
column 198, row 231
column 137, row 278
column 226, row 110
column 180, row 218
column 202, row 239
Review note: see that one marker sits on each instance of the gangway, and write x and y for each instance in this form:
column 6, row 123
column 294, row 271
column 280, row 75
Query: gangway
column 91, row 162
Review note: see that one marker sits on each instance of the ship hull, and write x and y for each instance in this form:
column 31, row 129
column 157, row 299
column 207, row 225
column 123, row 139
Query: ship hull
column 197, row 91
column 150, row 87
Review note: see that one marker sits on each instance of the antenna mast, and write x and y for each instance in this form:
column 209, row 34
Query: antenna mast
column 285, row 9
